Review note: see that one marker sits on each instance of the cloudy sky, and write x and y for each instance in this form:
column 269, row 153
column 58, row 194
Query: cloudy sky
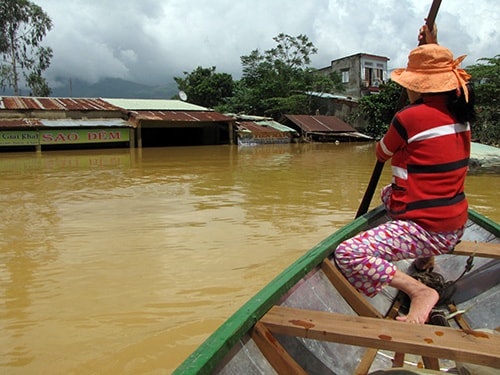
column 150, row 41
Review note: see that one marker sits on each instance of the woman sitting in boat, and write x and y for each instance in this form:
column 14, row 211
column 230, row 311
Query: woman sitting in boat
column 429, row 143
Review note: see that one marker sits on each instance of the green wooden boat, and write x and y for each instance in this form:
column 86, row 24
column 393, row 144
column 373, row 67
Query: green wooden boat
column 309, row 320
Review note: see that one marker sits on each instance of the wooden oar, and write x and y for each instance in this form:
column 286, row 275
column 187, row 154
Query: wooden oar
column 379, row 166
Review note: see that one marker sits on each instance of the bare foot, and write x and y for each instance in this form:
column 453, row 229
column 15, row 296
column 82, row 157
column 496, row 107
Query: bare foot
column 421, row 306
column 422, row 297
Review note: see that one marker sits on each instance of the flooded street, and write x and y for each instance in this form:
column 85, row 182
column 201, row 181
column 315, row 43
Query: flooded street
column 124, row 261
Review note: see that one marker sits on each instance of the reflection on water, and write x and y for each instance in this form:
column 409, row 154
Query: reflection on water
column 123, row 261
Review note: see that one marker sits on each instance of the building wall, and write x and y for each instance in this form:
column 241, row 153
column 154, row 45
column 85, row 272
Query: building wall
column 343, row 109
column 361, row 73
column 349, row 70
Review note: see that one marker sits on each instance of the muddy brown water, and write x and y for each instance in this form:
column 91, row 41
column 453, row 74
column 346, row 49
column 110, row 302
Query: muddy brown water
column 124, row 261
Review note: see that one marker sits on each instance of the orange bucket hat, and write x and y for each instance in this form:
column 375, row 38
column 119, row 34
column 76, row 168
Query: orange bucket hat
column 431, row 69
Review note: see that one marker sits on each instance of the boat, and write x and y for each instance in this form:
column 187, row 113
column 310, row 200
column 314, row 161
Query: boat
column 310, row 320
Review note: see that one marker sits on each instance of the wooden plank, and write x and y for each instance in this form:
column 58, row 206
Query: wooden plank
column 459, row 318
column 479, row 249
column 462, row 323
column 367, row 360
column 398, row 360
column 277, row 356
column 354, row 298
column 442, row 342
column 431, row 363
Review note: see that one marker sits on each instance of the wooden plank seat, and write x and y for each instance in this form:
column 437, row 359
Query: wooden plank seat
column 426, row 340
column 479, row 249
column 277, row 356
column 363, row 308
column 431, row 346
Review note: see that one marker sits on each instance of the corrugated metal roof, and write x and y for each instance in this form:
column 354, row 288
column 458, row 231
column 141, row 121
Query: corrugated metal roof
column 243, row 117
column 320, row 123
column 55, row 104
column 154, row 105
column 351, row 135
column 180, row 116
column 69, row 123
column 256, row 128
column 326, row 95
column 63, row 123
column 265, row 127
column 17, row 123
column 276, row 125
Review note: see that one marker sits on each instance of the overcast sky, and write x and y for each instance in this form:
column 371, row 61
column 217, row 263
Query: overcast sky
column 150, row 41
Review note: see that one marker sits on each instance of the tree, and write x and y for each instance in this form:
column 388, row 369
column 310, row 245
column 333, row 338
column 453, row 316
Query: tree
column 278, row 73
column 205, row 87
column 378, row 110
column 486, row 78
column 23, row 26
column 278, row 81
column 330, row 83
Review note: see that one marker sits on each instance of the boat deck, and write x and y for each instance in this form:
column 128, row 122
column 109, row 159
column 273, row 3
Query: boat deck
column 368, row 330
column 311, row 320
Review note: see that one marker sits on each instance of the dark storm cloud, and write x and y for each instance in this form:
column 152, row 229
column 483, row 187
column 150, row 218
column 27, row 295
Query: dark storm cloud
column 151, row 41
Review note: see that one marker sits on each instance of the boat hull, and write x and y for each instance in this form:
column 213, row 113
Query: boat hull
column 307, row 285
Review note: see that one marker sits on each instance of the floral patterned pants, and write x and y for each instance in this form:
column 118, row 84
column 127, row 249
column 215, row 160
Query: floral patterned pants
column 366, row 259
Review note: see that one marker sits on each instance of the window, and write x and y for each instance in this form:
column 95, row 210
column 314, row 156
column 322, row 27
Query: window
column 373, row 77
column 345, row 75
column 368, row 77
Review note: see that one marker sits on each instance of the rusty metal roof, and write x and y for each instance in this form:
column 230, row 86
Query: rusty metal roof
column 276, row 125
column 19, row 123
column 180, row 116
column 63, row 123
column 265, row 126
column 55, row 104
column 256, row 128
column 320, row 123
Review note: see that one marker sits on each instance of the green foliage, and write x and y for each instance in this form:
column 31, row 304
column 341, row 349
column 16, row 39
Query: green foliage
column 205, row 87
column 23, row 25
column 273, row 83
column 240, row 102
column 276, row 81
column 293, row 104
column 279, row 73
column 331, row 82
column 486, row 78
column 378, row 110
column 292, row 52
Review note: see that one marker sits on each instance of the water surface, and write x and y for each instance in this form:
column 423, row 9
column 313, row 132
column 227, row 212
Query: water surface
column 124, row 261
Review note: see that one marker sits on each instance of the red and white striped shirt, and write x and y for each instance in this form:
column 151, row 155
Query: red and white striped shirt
column 430, row 154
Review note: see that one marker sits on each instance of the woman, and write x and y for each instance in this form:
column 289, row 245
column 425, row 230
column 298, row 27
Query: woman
column 429, row 143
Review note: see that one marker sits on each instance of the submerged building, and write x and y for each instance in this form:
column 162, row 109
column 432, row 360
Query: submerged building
column 28, row 123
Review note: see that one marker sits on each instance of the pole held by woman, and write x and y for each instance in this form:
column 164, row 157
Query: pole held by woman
column 379, row 166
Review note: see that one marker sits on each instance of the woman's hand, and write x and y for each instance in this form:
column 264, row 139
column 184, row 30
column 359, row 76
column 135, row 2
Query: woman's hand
column 427, row 36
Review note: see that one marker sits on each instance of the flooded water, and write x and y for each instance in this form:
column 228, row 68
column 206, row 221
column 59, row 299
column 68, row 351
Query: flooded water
column 124, row 261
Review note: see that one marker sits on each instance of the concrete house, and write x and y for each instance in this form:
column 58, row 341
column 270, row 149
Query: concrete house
column 361, row 73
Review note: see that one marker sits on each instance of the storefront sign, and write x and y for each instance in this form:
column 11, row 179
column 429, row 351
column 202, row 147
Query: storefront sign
column 62, row 136
column 19, row 138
